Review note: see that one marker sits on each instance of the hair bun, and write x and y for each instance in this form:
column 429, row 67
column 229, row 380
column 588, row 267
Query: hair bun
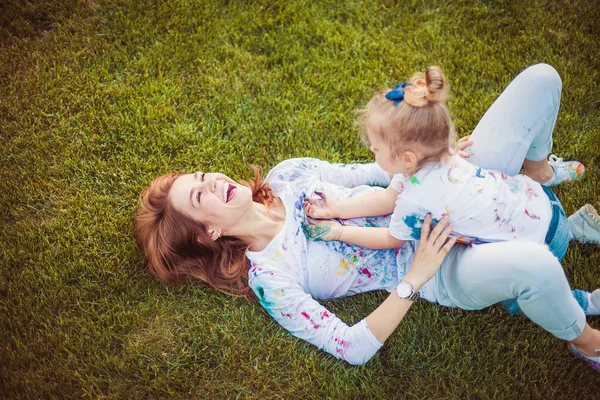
column 437, row 88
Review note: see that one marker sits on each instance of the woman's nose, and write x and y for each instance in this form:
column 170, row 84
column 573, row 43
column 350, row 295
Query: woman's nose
column 210, row 184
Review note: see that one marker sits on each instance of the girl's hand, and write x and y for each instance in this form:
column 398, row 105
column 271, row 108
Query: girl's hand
column 318, row 230
column 431, row 250
column 321, row 207
column 462, row 144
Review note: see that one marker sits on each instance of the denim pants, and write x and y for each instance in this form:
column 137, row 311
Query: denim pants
column 557, row 237
column 517, row 126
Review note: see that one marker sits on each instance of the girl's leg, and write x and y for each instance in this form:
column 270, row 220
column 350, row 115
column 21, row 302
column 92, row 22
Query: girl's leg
column 585, row 342
column 539, row 171
column 583, row 348
column 517, row 129
column 476, row 277
column 519, row 124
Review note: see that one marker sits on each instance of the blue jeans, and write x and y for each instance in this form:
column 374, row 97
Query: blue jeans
column 524, row 273
column 557, row 237
column 557, row 240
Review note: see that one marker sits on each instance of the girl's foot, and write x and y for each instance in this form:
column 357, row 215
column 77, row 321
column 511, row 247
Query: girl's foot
column 595, row 298
column 585, row 225
column 593, row 361
column 563, row 170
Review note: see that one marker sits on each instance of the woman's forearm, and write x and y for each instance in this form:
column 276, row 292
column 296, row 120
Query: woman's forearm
column 427, row 260
column 386, row 318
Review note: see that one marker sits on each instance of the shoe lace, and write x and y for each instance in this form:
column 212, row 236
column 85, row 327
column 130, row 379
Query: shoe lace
column 553, row 160
column 591, row 211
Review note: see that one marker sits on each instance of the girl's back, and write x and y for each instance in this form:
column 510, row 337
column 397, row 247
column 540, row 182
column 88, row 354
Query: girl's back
column 484, row 206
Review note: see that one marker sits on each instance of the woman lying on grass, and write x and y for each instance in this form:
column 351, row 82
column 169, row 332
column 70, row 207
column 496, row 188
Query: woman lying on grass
column 209, row 227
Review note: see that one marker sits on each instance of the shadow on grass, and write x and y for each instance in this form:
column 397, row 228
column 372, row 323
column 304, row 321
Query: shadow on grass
column 32, row 18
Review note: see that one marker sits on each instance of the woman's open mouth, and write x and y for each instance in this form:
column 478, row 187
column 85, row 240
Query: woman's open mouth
column 228, row 192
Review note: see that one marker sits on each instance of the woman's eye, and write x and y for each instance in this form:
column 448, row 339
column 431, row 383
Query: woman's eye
column 198, row 197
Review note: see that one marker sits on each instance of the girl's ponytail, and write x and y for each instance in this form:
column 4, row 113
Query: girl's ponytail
column 413, row 117
column 437, row 88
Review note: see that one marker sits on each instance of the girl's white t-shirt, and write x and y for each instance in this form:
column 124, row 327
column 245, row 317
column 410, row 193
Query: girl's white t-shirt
column 484, row 206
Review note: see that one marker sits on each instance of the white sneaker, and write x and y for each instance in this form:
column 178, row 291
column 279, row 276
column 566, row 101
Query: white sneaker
column 595, row 297
column 593, row 362
column 585, row 225
column 564, row 171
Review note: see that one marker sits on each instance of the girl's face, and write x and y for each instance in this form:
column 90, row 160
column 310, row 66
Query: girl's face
column 389, row 162
column 211, row 198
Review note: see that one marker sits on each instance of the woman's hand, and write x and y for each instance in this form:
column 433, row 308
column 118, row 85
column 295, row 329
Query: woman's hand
column 321, row 207
column 318, row 230
column 431, row 250
column 462, row 144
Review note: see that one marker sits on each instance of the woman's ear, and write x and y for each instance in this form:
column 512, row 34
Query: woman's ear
column 214, row 234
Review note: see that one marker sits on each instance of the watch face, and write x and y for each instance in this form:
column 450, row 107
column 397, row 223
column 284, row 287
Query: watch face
column 404, row 290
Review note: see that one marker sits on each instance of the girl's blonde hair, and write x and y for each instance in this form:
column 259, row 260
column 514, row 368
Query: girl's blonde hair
column 419, row 123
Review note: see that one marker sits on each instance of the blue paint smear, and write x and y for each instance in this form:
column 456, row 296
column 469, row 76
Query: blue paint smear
column 299, row 202
column 414, row 222
column 261, row 298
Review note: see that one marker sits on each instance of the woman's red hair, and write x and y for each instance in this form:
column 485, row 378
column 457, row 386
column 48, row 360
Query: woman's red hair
column 175, row 246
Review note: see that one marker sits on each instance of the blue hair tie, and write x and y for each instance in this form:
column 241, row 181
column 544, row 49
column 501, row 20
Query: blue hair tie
column 397, row 93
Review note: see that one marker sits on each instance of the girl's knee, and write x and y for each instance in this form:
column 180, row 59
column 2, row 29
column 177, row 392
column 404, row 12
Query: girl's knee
column 544, row 76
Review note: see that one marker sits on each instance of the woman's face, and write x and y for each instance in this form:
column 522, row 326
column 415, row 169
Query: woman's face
column 211, row 198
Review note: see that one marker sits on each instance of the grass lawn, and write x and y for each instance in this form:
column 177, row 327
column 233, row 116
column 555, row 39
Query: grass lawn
column 99, row 97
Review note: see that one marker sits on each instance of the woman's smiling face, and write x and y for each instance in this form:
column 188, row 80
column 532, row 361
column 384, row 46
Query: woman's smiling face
column 211, row 198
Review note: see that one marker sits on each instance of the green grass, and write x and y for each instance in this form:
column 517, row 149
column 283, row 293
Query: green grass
column 96, row 99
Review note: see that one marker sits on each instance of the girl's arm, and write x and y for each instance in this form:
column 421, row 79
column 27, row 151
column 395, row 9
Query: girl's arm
column 380, row 202
column 372, row 238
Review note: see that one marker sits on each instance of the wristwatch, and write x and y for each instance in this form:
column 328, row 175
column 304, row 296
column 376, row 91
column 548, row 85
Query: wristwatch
column 405, row 291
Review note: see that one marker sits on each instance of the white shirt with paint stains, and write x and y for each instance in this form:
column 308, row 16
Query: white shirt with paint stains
column 292, row 271
column 484, row 206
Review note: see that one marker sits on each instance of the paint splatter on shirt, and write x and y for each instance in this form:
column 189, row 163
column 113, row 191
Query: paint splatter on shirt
column 484, row 206
column 291, row 272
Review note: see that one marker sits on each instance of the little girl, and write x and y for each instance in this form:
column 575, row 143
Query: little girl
column 411, row 134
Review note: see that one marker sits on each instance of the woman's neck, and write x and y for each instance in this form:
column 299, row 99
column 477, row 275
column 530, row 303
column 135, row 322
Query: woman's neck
column 260, row 225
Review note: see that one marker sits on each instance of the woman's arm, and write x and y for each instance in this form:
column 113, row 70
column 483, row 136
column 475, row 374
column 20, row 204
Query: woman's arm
column 346, row 175
column 430, row 253
column 295, row 310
